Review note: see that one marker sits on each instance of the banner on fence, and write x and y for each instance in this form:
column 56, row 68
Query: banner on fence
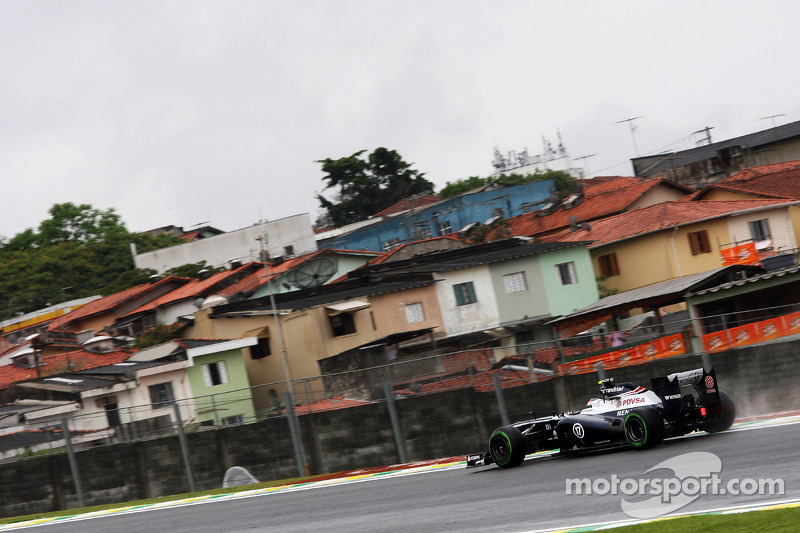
column 634, row 355
column 764, row 330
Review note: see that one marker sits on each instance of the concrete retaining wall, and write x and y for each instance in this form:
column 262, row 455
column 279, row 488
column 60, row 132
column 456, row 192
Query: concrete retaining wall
column 761, row 379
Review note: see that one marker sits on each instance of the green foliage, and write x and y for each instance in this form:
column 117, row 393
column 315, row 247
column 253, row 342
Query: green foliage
column 562, row 182
column 192, row 270
column 146, row 242
column 367, row 185
column 159, row 334
column 602, row 289
column 484, row 233
column 79, row 251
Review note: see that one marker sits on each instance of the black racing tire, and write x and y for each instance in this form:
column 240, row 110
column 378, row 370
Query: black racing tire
column 507, row 447
column 644, row 428
column 724, row 419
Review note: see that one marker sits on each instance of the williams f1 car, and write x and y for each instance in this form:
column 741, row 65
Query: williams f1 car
column 625, row 414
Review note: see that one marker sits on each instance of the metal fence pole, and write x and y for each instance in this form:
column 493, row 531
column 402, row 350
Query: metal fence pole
column 501, row 401
column 73, row 463
column 294, row 430
column 184, row 447
column 396, row 428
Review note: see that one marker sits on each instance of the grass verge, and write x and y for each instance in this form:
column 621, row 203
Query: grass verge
column 785, row 520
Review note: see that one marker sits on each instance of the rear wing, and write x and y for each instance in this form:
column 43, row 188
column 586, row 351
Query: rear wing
column 669, row 387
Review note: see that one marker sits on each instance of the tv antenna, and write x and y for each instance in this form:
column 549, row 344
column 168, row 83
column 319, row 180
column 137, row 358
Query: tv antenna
column 707, row 131
column 633, row 131
column 773, row 117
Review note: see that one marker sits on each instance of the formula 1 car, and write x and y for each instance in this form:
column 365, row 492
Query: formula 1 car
column 625, row 414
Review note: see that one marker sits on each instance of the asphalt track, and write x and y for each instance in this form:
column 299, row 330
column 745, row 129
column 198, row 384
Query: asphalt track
column 447, row 498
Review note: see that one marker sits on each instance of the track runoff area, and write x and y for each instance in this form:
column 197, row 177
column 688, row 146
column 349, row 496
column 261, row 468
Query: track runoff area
column 425, row 467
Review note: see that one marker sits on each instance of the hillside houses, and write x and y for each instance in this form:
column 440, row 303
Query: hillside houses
column 336, row 310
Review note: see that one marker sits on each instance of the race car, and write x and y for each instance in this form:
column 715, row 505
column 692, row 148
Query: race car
column 625, row 414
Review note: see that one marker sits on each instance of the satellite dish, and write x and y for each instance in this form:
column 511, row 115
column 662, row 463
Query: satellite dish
column 313, row 273
column 573, row 222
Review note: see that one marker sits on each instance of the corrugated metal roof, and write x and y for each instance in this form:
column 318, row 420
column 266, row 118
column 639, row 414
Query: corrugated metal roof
column 709, row 151
column 752, row 279
column 676, row 288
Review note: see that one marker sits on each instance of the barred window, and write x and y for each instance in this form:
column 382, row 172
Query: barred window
column 514, row 282
column 414, row 312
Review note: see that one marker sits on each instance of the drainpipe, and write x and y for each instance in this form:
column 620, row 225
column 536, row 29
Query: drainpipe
column 675, row 252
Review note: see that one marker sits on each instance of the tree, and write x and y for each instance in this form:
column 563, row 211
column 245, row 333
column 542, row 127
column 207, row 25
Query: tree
column 366, row 186
column 78, row 251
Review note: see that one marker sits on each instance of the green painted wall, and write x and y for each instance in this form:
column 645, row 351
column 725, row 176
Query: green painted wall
column 224, row 400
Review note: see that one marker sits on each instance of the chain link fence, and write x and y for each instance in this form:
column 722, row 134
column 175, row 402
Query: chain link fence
column 494, row 370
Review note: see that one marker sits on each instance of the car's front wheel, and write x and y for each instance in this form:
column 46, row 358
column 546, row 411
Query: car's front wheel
column 507, row 447
column 644, row 428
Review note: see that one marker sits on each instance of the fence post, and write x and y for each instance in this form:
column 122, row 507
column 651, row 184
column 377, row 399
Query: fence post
column 396, row 429
column 294, row 430
column 184, row 447
column 73, row 463
column 501, row 401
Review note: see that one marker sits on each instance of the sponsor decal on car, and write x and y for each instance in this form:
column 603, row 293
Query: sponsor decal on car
column 630, row 401
column 709, row 382
column 623, row 412
column 672, row 397
column 578, row 430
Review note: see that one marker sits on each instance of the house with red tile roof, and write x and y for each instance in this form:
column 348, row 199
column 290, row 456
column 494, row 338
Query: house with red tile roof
column 598, row 199
column 181, row 302
column 778, row 181
column 103, row 312
column 675, row 239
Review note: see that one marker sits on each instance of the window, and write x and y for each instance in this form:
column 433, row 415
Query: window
column 215, row 374
column 414, row 312
column 759, row 230
column 390, row 245
column 465, row 293
column 608, row 265
column 232, row 420
column 514, row 282
column 699, row 243
column 566, row 273
column 288, row 250
column 161, row 395
column 343, row 324
column 262, row 349
column 444, row 227
column 423, row 232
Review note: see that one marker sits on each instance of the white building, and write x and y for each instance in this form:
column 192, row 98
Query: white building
column 285, row 237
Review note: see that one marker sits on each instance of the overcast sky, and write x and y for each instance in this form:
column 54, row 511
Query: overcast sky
column 214, row 112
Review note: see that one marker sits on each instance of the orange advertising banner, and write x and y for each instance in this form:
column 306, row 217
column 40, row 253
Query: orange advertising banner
column 716, row 342
column 742, row 254
column 743, row 335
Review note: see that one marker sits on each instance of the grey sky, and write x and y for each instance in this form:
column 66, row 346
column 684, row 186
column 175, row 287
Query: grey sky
column 188, row 112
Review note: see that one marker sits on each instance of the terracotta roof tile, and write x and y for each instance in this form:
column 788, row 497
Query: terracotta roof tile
column 657, row 217
column 62, row 363
column 409, row 203
column 110, row 302
column 779, row 180
column 600, row 200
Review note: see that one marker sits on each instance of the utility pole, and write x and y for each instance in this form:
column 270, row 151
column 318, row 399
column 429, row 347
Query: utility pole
column 264, row 238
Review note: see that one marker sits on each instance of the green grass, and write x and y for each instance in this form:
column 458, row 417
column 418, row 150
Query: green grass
column 174, row 497
column 773, row 520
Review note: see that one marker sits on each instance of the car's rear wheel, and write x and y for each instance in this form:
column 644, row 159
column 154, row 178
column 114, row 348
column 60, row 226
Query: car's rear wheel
column 724, row 419
column 507, row 447
column 644, row 428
